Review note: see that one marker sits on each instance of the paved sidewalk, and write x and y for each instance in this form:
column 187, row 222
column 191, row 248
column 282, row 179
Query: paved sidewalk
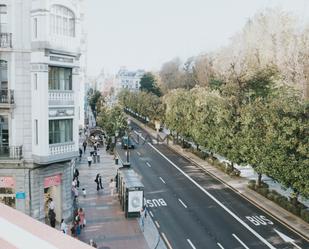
column 239, row 184
column 105, row 221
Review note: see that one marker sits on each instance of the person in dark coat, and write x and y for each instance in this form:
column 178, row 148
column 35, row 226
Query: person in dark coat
column 97, row 181
column 80, row 154
column 52, row 218
column 100, row 182
column 85, row 146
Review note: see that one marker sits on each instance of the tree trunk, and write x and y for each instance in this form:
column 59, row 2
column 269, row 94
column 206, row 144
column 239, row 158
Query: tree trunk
column 197, row 147
column 232, row 166
column 259, row 181
column 294, row 198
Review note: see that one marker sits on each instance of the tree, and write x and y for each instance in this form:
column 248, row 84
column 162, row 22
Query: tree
column 149, row 85
column 93, row 99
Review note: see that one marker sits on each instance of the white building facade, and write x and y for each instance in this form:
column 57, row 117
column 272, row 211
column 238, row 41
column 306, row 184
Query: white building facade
column 40, row 43
column 129, row 79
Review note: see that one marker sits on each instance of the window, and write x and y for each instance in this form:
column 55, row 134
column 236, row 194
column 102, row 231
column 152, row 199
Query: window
column 59, row 78
column 36, row 130
column 62, row 21
column 35, row 28
column 60, row 131
column 3, row 19
column 3, row 74
column 35, row 81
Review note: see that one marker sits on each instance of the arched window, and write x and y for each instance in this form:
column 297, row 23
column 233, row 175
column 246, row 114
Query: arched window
column 62, row 21
column 3, row 18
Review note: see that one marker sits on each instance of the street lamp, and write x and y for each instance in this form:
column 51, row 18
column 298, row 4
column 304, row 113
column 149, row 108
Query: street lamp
column 127, row 163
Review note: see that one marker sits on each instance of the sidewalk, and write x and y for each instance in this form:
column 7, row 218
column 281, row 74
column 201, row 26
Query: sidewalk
column 239, row 184
column 105, row 221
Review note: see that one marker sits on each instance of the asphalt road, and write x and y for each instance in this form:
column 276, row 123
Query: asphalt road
column 194, row 210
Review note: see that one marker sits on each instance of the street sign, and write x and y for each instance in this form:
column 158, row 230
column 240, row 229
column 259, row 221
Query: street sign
column 20, row 195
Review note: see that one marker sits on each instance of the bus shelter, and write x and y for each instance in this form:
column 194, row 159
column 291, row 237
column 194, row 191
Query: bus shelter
column 130, row 192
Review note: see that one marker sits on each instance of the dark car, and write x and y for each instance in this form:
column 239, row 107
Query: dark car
column 126, row 142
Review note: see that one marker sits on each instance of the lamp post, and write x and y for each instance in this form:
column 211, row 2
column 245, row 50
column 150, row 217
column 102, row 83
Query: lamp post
column 127, row 163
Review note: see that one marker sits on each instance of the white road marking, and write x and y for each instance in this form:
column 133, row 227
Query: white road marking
column 148, row 164
column 287, row 239
column 182, row 203
column 220, row 245
column 166, row 241
column 243, row 244
column 157, row 224
column 138, row 153
column 162, row 180
column 216, row 200
column 151, row 214
column 191, row 244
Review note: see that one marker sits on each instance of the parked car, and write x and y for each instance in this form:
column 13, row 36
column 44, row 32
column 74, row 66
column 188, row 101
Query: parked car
column 126, row 142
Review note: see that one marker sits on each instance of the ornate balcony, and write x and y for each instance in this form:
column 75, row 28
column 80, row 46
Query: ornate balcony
column 60, row 97
column 5, row 40
column 11, row 152
column 6, row 98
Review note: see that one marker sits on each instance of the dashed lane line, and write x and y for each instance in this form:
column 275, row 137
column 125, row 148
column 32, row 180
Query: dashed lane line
column 157, row 224
column 162, row 180
column 166, row 241
column 151, row 214
column 191, row 244
column 148, row 164
column 182, row 203
column 220, row 245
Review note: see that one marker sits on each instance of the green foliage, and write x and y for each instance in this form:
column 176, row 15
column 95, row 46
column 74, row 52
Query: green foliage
column 113, row 120
column 149, row 85
column 93, row 99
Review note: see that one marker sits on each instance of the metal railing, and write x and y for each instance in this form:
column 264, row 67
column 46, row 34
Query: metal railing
column 5, row 40
column 6, row 96
column 11, row 152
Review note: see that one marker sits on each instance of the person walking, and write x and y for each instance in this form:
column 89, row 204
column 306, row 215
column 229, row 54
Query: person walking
column 81, row 215
column 97, row 181
column 52, row 218
column 85, row 146
column 93, row 244
column 80, row 154
column 63, row 226
column 89, row 159
column 100, row 182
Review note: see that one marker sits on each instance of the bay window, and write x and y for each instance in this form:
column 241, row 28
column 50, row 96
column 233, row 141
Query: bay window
column 59, row 78
column 62, row 21
column 60, row 131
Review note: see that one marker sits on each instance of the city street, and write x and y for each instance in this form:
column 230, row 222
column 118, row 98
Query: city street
column 194, row 210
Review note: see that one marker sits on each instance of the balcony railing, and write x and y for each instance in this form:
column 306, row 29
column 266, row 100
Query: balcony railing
column 60, row 97
column 5, row 40
column 6, row 96
column 56, row 149
column 11, row 152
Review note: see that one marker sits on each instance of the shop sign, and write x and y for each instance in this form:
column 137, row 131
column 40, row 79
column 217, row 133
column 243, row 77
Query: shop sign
column 20, row 195
column 52, row 181
column 7, row 182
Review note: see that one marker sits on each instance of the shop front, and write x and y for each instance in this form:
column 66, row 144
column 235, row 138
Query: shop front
column 52, row 189
column 7, row 191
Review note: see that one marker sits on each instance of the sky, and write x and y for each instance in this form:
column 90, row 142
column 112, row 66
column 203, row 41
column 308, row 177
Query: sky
column 144, row 34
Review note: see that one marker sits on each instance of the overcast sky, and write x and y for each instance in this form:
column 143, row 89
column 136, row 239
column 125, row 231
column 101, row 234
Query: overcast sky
column 146, row 33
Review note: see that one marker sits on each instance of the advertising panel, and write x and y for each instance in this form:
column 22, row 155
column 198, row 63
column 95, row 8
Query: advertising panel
column 135, row 201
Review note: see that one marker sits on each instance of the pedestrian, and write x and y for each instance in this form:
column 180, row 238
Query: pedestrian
column 81, row 215
column 100, row 182
column 93, row 244
column 80, row 154
column 51, row 204
column 73, row 229
column 85, row 146
column 89, row 159
column 63, row 226
column 84, row 192
column 142, row 218
column 52, row 218
column 97, row 181
column 95, row 146
column 112, row 186
column 76, row 173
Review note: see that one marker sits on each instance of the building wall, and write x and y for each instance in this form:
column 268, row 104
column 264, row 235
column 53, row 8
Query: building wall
column 34, row 49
